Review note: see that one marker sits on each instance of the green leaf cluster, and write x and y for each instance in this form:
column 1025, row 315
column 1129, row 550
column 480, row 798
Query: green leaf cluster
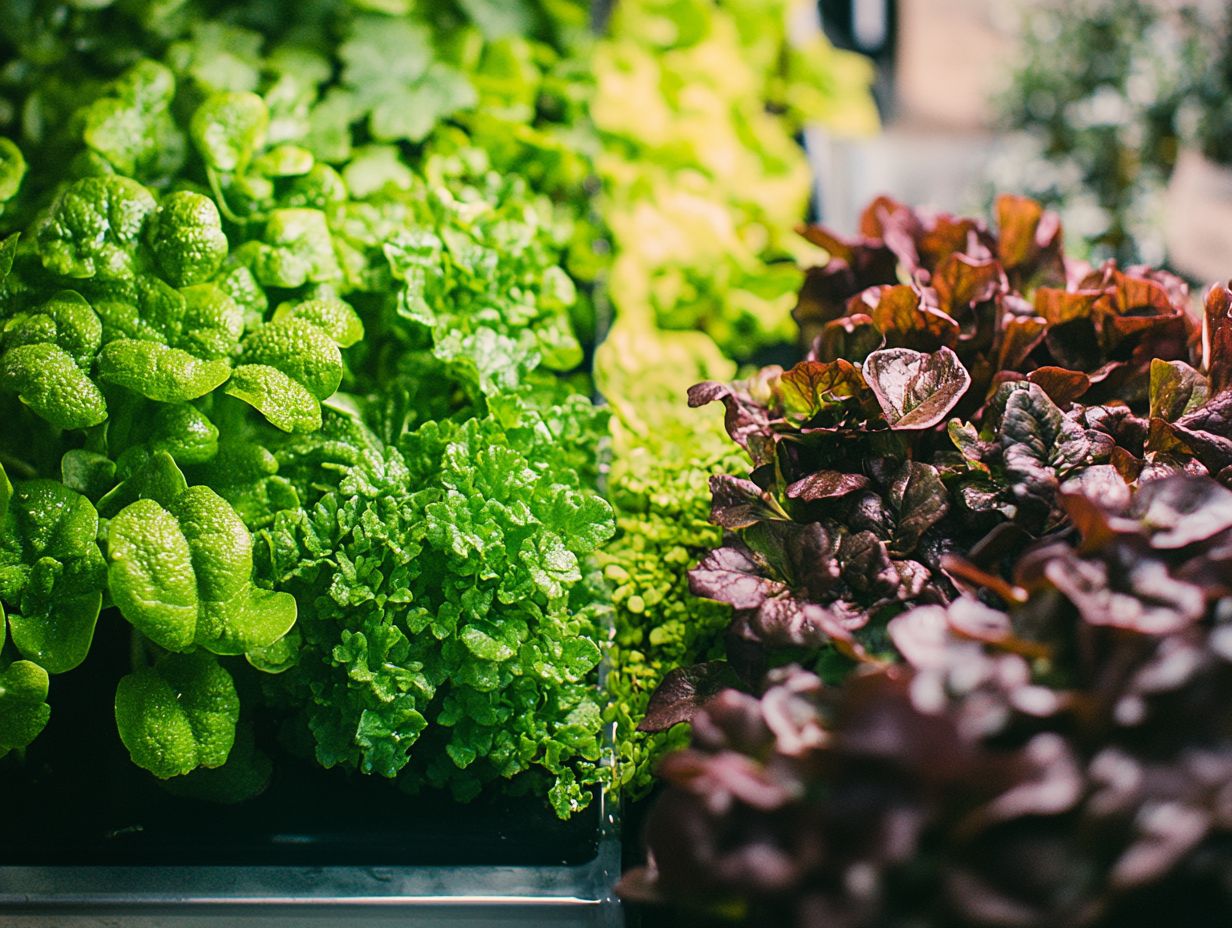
column 454, row 628
column 291, row 338
column 698, row 106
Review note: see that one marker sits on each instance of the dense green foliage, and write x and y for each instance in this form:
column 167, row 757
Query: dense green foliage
column 698, row 106
column 286, row 330
column 302, row 301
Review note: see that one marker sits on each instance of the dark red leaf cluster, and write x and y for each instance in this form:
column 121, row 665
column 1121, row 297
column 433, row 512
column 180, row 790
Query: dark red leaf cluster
column 1061, row 760
column 990, row 515
column 959, row 380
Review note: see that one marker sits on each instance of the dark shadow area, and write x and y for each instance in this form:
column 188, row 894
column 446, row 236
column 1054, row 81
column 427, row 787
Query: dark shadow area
column 76, row 799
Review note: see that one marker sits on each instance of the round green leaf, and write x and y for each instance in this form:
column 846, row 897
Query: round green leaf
column 187, row 238
column 45, row 378
column 57, row 634
column 183, row 576
column 178, row 715
column 151, row 574
column 286, row 403
column 228, row 128
column 301, row 350
column 246, row 774
column 23, row 704
column 253, row 620
column 333, row 317
column 94, row 228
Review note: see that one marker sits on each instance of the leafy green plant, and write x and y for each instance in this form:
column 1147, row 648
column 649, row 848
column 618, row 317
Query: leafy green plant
column 289, row 373
column 697, row 105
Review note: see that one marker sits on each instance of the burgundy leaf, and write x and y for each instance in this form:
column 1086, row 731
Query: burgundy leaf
column 914, row 390
column 725, row 779
column 853, row 337
column 866, row 564
column 744, row 419
column 731, row 575
column 1207, row 431
column 683, row 692
column 1063, row 386
column 1061, row 306
column 961, row 280
column 1217, row 337
column 1102, row 484
column 1178, row 511
column 804, row 555
column 949, row 234
column 896, row 225
column 826, row 484
column 1029, row 245
column 901, row 314
column 787, row 621
column 1018, row 338
column 921, row 501
column 1018, row 219
column 736, row 503
column 810, row 386
column 1143, row 597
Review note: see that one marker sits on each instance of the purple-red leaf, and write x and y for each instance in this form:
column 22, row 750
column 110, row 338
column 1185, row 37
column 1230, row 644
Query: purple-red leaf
column 826, row 484
column 744, row 419
column 1217, row 337
column 852, row 337
column 736, row 503
column 902, row 315
column 731, row 575
column 961, row 280
column 811, row 386
column 1179, row 511
column 1062, row 385
column 915, row 390
column 1061, row 306
column 683, row 692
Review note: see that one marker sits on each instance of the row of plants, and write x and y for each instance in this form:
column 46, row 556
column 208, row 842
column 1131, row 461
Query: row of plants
column 699, row 106
column 978, row 667
column 296, row 393
column 293, row 389
column 294, row 368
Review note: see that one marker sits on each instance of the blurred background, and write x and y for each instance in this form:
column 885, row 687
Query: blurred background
column 1116, row 112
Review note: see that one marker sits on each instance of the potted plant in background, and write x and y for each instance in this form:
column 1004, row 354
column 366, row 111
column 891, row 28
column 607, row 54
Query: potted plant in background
column 1094, row 97
column 1198, row 217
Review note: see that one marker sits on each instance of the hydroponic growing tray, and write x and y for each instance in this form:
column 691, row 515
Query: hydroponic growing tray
column 87, row 839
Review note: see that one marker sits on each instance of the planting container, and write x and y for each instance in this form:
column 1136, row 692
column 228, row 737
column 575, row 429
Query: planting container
column 87, row 839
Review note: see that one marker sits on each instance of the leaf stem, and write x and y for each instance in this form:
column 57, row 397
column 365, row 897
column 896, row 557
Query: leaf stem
column 21, row 467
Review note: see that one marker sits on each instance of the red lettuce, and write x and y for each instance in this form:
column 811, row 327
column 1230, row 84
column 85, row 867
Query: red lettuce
column 958, row 381
column 1055, row 750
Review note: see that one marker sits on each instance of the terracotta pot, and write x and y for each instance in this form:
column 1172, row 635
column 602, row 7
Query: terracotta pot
column 1198, row 218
